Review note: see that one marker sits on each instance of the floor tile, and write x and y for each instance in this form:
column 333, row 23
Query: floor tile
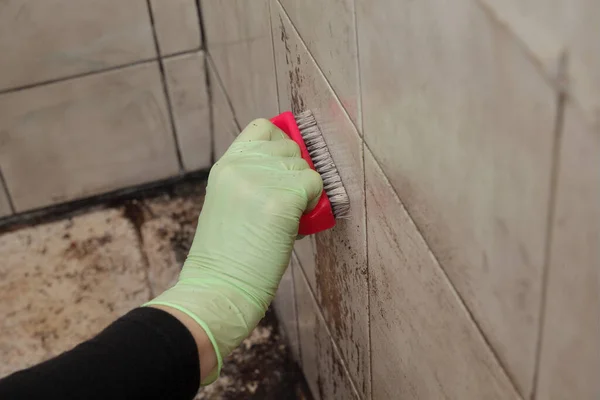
column 186, row 80
column 86, row 136
column 462, row 123
column 328, row 30
column 570, row 351
column 177, row 26
column 424, row 344
column 341, row 269
column 321, row 362
column 45, row 40
column 238, row 36
column 63, row 282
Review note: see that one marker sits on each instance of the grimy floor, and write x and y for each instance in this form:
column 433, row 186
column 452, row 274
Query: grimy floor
column 62, row 281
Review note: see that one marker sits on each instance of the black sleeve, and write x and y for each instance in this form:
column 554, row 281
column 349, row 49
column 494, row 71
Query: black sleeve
column 147, row 354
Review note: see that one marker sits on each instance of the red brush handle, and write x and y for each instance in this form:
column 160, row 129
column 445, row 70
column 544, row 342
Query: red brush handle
column 321, row 217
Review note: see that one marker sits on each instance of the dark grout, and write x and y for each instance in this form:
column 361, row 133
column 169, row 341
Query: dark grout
column 4, row 186
column 163, row 78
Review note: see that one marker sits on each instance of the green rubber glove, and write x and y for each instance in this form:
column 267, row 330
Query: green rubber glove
column 255, row 196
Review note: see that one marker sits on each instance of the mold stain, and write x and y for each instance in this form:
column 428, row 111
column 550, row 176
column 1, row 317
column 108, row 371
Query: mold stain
column 295, row 77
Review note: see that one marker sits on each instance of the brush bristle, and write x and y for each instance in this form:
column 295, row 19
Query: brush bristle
column 321, row 158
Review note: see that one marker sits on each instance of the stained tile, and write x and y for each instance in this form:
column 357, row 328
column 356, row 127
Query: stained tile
column 569, row 24
column 177, row 26
column 462, row 123
column 44, row 40
column 225, row 127
column 323, row 367
column 4, row 202
column 238, row 36
column 570, row 352
column 327, row 28
column 285, row 309
column 341, row 269
column 63, row 282
column 85, row 136
column 186, row 80
column 424, row 344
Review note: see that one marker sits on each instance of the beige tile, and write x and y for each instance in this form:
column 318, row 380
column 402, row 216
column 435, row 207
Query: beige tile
column 63, row 282
column 4, row 202
column 285, row 309
column 224, row 124
column 462, row 123
column 306, row 251
column 43, row 40
column 239, row 41
column 186, row 80
column 570, row 352
column 322, row 364
column 569, row 24
column 328, row 30
column 341, row 269
column 177, row 26
column 85, row 136
column 424, row 344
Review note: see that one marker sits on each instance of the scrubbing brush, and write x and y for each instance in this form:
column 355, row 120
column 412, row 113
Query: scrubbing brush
column 334, row 202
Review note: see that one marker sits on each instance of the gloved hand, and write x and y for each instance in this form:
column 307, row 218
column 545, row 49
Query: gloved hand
column 255, row 196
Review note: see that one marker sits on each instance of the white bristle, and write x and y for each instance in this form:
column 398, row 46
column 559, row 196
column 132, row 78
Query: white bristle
column 321, row 158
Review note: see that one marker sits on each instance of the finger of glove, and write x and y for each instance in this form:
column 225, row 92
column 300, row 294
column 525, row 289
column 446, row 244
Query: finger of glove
column 260, row 129
column 310, row 181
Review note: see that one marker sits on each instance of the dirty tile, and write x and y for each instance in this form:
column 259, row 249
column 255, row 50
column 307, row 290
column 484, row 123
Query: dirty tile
column 87, row 136
column 186, row 80
column 306, row 251
column 415, row 310
column 341, row 268
column 63, row 282
column 4, row 201
column 571, row 25
column 285, row 309
column 44, row 40
column 463, row 128
column 570, row 352
column 177, row 26
column 238, row 36
column 225, row 126
column 328, row 30
column 324, row 371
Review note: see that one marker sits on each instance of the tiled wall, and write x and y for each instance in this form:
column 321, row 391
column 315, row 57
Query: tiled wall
column 467, row 134
column 87, row 103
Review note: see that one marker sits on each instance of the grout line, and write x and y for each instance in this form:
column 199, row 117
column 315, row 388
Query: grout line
column 296, row 260
column 223, row 91
column 176, row 54
column 163, row 78
column 460, row 299
column 323, row 321
column 4, row 186
column 274, row 59
column 558, row 133
column 208, row 83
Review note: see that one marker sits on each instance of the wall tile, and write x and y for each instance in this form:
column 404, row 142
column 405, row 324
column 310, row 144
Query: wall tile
column 238, row 36
column 177, row 26
column 462, row 123
column 327, row 28
column 306, row 251
column 4, row 202
column 189, row 101
column 285, row 309
column 415, row 311
column 572, row 24
column 570, row 358
column 341, row 269
column 51, row 39
column 85, row 136
column 321, row 362
column 225, row 127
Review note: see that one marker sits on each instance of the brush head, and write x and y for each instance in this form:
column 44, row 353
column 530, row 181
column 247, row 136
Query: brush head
column 324, row 165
